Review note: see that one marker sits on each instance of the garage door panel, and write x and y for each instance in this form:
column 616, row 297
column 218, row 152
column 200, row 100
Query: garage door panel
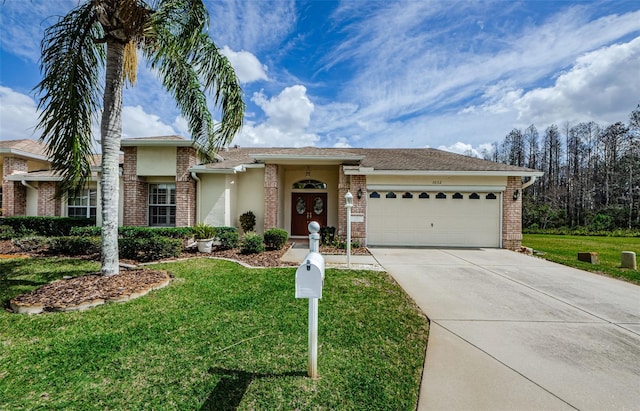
column 433, row 222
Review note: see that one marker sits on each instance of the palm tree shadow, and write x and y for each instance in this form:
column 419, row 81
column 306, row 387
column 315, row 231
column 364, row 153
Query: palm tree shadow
column 233, row 385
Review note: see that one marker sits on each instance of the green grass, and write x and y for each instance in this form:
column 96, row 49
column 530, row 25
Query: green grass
column 219, row 337
column 564, row 249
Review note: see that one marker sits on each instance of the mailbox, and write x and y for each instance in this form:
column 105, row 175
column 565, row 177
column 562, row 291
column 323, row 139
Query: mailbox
column 310, row 276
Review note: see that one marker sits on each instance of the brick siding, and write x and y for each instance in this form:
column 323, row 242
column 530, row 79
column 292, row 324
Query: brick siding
column 512, row 215
column 271, row 195
column 352, row 184
column 48, row 205
column 185, row 187
column 135, row 191
column 14, row 194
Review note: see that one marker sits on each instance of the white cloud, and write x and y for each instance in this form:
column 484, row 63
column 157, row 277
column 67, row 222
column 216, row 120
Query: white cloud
column 137, row 123
column 18, row 115
column 247, row 66
column 468, row 149
column 288, row 116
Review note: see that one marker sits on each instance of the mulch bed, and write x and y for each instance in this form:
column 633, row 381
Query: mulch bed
column 88, row 291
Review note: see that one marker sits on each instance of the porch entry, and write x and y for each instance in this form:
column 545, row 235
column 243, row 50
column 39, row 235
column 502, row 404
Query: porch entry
column 307, row 207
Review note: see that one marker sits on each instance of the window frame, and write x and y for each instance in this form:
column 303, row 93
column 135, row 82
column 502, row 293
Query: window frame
column 169, row 206
column 88, row 195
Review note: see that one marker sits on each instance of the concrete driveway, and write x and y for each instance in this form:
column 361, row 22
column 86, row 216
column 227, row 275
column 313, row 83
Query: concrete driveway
column 513, row 332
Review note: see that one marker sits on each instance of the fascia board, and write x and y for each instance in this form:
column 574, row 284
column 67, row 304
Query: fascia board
column 21, row 153
column 157, row 143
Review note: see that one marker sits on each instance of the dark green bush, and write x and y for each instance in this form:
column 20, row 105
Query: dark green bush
column 75, row 245
column 6, row 232
column 252, row 244
column 228, row 237
column 327, row 235
column 149, row 249
column 45, row 226
column 275, row 238
column 91, row 231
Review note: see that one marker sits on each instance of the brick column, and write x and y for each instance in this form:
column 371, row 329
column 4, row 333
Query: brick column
column 14, row 194
column 271, row 196
column 358, row 230
column 134, row 191
column 48, row 205
column 512, row 215
column 185, row 187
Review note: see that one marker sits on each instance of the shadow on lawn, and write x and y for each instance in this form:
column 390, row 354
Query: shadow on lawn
column 232, row 386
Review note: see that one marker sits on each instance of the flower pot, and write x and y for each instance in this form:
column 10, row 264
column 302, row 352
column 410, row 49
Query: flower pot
column 204, row 245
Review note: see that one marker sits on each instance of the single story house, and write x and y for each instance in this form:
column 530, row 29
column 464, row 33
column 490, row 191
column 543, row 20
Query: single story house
column 401, row 197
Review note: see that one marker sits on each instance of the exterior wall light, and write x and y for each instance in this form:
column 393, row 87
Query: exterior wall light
column 359, row 193
column 516, row 194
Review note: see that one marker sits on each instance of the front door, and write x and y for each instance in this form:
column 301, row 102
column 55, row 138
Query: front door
column 305, row 208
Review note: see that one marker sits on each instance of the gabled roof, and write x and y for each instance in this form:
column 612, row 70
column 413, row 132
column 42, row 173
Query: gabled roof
column 364, row 161
column 24, row 148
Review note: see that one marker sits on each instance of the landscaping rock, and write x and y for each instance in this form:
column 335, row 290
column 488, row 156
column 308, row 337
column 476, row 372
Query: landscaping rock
column 629, row 260
column 589, row 257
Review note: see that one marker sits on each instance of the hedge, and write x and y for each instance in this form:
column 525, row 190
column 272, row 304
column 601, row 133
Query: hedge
column 275, row 238
column 44, row 226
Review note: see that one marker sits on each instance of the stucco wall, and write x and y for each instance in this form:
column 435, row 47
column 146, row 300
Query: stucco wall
column 156, row 161
column 214, row 199
column 435, row 180
column 250, row 196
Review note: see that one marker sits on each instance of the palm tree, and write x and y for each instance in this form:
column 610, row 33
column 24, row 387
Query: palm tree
column 106, row 35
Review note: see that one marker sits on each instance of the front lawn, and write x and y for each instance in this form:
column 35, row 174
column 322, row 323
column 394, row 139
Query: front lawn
column 219, row 337
column 564, row 249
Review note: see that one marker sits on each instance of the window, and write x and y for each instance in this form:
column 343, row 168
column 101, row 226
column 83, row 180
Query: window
column 375, row 194
column 407, row 195
column 474, row 196
column 441, row 196
column 457, row 196
column 391, row 195
column 83, row 205
column 423, row 195
column 309, row 184
column 162, row 205
column 491, row 196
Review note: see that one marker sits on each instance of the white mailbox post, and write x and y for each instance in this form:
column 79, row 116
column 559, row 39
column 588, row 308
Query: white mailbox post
column 309, row 282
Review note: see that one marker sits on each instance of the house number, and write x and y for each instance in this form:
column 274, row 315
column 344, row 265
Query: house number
column 436, row 182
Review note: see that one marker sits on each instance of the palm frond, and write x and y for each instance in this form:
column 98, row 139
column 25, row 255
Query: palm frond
column 70, row 94
column 191, row 66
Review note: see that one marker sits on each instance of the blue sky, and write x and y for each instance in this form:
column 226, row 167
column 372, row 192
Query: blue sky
column 444, row 74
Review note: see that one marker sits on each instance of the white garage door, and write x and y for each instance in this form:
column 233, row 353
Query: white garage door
column 455, row 219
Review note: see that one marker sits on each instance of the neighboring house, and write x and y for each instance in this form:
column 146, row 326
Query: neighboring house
column 402, row 197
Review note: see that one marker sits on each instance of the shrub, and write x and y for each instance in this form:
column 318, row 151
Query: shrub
column 75, row 245
column 327, row 235
column 228, row 237
column 6, row 232
column 38, row 243
column 45, row 226
column 203, row 231
column 252, row 244
column 248, row 221
column 275, row 238
column 149, row 249
column 91, row 231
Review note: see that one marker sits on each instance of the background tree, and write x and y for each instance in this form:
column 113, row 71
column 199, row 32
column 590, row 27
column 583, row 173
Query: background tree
column 105, row 36
column 595, row 183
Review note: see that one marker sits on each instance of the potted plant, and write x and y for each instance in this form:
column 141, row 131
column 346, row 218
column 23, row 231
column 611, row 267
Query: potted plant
column 204, row 235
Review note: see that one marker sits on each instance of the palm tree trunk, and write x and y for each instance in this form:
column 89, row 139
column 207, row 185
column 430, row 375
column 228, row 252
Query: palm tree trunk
column 110, row 132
